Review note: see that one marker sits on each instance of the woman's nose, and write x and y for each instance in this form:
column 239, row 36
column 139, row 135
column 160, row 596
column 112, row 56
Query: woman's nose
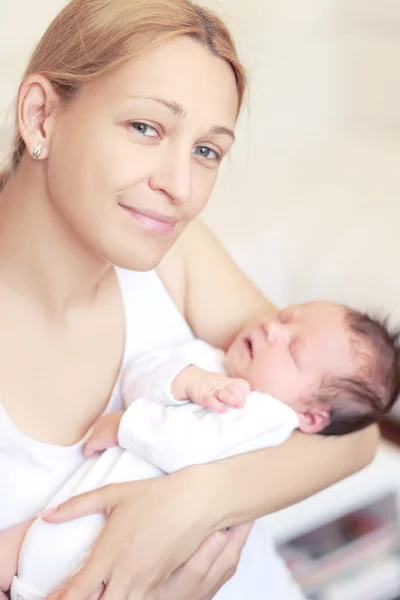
column 174, row 176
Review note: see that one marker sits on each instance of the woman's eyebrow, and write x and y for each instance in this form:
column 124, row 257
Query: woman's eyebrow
column 221, row 129
column 174, row 107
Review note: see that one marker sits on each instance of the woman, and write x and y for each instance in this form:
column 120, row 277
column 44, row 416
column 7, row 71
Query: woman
column 124, row 115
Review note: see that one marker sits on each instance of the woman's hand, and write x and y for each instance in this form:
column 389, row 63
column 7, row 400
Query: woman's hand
column 207, row 570
column 212, row 565
column 153, row 527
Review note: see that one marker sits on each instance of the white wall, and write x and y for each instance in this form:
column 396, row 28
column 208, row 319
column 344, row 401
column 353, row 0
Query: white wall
column 308, row 201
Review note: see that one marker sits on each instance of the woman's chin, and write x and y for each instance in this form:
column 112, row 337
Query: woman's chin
column 136, row 261
column 133, row 253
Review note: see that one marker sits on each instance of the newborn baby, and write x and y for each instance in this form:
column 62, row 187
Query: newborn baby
column 336, row 368
column 318, row 367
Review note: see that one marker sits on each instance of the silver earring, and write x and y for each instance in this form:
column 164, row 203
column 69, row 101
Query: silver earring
column 37, row 151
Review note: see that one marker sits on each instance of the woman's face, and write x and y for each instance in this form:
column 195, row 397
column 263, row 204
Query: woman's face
column 134, row 157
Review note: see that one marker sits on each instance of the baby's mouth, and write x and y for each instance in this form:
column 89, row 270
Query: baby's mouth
column 249, row 346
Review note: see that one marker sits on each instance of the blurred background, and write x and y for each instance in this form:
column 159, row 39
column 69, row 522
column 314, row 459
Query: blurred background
column 308, row 206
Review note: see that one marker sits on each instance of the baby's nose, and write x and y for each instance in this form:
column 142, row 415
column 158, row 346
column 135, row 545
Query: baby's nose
column 276, row 331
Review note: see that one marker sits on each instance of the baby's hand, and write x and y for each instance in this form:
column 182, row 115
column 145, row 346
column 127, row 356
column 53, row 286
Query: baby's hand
column 211, row 390
column 218, row 391
column 104, row 434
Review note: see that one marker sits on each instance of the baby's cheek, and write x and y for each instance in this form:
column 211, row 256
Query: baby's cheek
column 271, row 377
column 261, row 378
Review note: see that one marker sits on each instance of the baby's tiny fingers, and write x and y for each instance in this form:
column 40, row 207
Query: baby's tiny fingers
column 227, row 397
column 241, row 384
column 212, row 401
column 239, row 393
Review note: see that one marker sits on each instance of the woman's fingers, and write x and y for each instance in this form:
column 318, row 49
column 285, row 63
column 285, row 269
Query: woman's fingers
column 189, row 581
column 98, row 594
column 237, row 537
column 120, row 588
column 238, row 534
column 144, row 540
column 101, row 500
column 211, row 566
column 227, row 562
column 58, row 593
column 199, row 565
column 61, row 592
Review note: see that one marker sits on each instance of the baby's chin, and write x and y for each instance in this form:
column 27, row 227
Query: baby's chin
column 236, row 368
column 228, row 363
column 232, row 363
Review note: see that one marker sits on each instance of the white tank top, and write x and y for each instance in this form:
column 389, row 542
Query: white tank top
column 31, row 472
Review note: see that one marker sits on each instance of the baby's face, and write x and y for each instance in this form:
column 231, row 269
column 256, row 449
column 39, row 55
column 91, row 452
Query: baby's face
column 287, row 355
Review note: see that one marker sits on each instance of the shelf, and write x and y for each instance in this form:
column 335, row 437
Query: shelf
column 351, row 557
column 380, row 478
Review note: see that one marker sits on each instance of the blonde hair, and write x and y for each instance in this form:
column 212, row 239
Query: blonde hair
column 90, row 38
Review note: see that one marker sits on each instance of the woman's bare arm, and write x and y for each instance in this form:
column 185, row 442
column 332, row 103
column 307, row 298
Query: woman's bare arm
column 215, row 296
column 303, row 466
column 218, row 299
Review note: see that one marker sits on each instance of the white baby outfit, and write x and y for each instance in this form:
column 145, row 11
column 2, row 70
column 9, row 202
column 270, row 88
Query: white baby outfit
column 172, row 434
column 49, row 474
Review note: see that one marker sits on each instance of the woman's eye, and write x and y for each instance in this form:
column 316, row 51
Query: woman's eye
column 144, row 129
column 206, row 152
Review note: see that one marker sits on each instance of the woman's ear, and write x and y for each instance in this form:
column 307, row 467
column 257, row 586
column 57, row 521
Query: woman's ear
column 38, row 107
column 314, row 420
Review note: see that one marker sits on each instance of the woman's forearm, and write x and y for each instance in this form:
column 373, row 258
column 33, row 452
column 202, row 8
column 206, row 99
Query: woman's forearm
column 255, row 484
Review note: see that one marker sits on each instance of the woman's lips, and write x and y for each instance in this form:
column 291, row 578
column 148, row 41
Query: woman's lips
column 155, row 222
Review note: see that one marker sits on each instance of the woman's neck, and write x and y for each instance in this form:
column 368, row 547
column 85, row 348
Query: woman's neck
column 40, row 254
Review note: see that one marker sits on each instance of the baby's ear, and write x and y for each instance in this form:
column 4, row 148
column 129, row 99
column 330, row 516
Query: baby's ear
column 313, row 420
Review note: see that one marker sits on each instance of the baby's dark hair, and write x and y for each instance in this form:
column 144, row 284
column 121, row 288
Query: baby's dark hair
column 364, row 398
